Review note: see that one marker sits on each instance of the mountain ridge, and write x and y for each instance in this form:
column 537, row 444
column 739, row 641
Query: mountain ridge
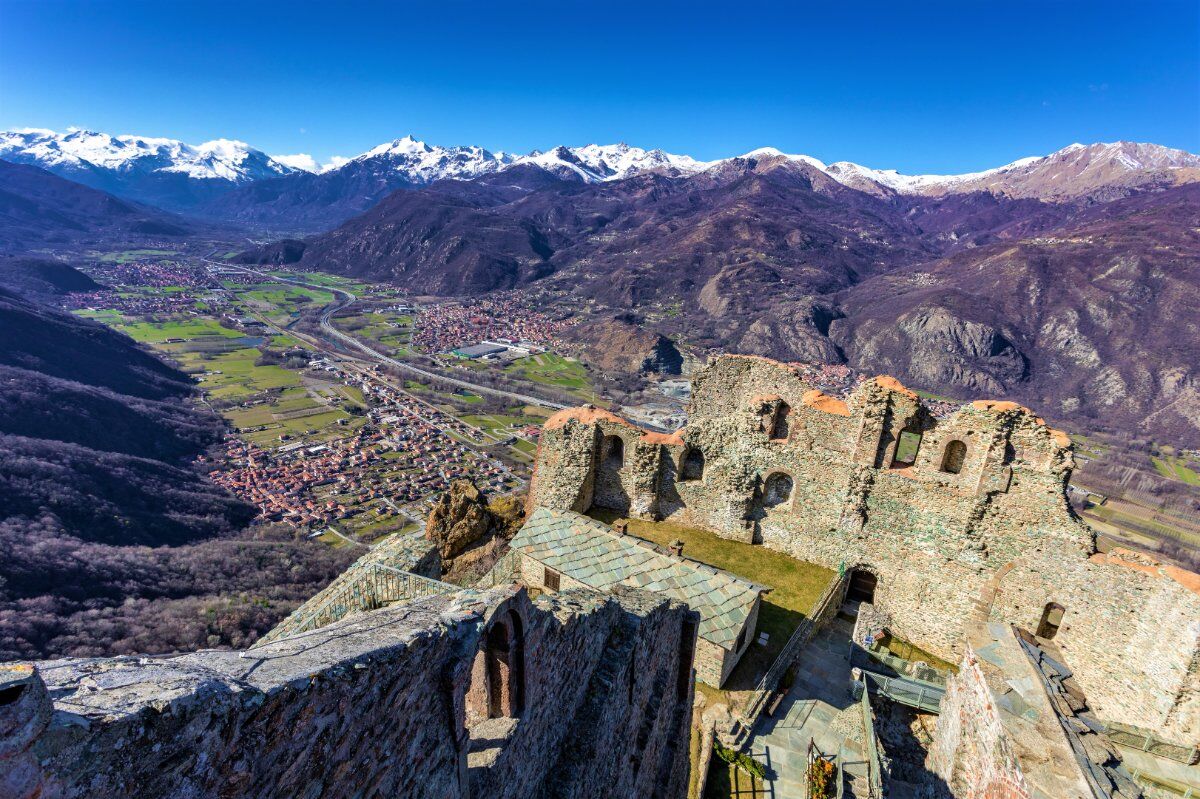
column 231, row 181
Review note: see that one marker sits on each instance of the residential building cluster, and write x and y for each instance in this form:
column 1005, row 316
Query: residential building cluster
column 451, row 325
column 405, row 454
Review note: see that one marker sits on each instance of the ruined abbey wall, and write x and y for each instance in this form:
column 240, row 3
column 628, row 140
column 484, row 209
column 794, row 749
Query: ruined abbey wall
column 385, row 703
column 975, row 525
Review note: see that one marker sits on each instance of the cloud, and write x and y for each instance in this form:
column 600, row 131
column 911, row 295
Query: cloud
column 307, row 163
column 299, row 161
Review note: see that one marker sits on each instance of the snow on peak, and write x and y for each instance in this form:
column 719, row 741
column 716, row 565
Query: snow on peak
column 423, row 163
column 77, row 149
column 597, row 163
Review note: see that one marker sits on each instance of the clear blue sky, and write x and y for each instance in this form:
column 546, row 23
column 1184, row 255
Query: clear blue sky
column 919, row 86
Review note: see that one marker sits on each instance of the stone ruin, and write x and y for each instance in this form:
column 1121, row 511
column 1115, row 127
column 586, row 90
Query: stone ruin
column 955, row 521
column 451, row 696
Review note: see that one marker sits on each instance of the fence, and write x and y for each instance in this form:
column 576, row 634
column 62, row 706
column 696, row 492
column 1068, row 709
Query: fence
column 367, row 587
column 918, row 694
column 1136, row 738
column 823, row 609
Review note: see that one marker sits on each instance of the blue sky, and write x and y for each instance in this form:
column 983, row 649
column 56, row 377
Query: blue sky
column 918, row 86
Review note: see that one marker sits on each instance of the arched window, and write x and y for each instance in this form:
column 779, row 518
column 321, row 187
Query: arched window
column 693, row 465
column 614, row 452
column 1052, row 617
column 505, row 657
column 953, row 457
column 777, row 490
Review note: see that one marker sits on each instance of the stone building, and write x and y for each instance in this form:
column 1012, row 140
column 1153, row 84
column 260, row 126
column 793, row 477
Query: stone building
column 947, row 521
column 472, row 694
column 558, row 550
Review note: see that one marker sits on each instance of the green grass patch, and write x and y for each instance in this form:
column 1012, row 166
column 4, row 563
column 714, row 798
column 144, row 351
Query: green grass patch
column 552, row 370
column 125, row 256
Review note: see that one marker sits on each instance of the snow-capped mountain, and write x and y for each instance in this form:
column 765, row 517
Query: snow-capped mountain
column 595, row 163
column 160, row 171
column 1098, row 171
column 231, row 180
column 220, row 159
column 421, row 163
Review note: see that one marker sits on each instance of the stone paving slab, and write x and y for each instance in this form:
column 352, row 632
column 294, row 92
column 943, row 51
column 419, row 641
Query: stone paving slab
column 817, row 707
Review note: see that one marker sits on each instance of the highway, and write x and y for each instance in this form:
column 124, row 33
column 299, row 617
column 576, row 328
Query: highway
column 346, row 299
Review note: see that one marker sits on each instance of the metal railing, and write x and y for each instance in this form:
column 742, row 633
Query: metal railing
column 1161, row 785
column 866, row 656
column 1145, row 741
column 829, row 600
column 369, row 586
column 917, row 694
column 874, row 758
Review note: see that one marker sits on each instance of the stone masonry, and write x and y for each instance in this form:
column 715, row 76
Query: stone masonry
column 960, row 519
column 1010, row 728
column 473, row 694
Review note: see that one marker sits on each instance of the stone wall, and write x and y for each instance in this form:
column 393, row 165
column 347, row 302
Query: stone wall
column 1009, row 728
column 976, row 525
column 376, row 704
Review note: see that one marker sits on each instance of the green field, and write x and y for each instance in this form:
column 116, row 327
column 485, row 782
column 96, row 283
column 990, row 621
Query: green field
column 159, row 332
column 551, row 370
column 134, row 255
column 1176, row 468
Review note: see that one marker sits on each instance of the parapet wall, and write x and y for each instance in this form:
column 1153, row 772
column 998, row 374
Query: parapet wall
column 959, row 519
column 403, row 702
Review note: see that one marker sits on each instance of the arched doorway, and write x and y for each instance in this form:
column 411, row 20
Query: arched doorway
column 504, row 657
column 693, row 465
column 862, row 586
column 610, row 488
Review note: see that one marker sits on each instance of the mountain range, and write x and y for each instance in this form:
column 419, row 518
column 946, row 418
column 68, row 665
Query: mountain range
column 231, row 181
column 1067, row 281
column 1080, row 303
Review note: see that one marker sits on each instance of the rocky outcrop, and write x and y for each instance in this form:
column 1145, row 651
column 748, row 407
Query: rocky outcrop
column 470, row 531
column 621, row 345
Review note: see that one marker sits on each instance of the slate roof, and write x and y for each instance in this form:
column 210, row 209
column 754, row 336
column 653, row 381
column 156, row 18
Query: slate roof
column 598, row 556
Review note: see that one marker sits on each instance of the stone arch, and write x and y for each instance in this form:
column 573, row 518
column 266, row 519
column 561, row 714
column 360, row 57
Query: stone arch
column 609, row 488
column 953, row 456
column 505, row 658
column 862, row 585
column 1051, row 621
column 691, row 466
